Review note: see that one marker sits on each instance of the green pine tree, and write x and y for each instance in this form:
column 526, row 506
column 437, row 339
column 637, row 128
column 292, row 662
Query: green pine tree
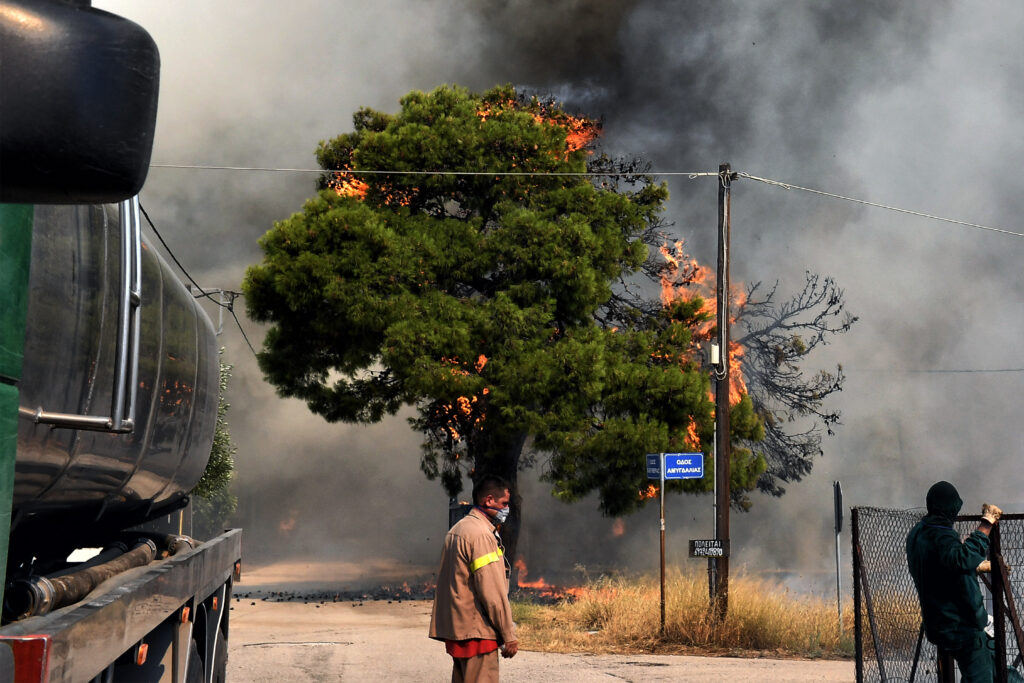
column 492, row 304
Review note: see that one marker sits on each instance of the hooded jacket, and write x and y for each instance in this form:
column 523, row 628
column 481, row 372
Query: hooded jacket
column 944, row 571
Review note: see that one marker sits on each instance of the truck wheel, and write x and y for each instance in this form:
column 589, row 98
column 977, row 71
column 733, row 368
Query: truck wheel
column 194, row 668
column 220, row 660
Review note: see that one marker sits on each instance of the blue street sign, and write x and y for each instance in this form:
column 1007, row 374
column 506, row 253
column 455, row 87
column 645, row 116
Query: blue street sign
column 684, row 465
column 677, row 466
column 653, row 466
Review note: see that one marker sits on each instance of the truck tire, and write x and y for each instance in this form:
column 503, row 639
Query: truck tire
column 194, row 667
column 220, row 660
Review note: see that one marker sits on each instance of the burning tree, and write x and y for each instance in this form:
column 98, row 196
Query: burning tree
column 776, row 335
column 459, row 260
column 489, row 303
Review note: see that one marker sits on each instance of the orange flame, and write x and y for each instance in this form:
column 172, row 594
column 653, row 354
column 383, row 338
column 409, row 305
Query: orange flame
column 456, row 414
column 345, row 185
column 618, row 527
column 545, row 589
column 650, row 492
column 579, row 130
column 692, row 438
column 685, row 278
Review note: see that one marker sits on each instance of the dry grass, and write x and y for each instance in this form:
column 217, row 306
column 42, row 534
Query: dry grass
column 618, row 615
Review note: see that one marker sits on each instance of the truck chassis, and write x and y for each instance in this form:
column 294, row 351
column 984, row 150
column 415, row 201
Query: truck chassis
column 166, row 622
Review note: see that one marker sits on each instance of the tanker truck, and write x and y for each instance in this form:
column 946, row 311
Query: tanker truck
column 109, row 373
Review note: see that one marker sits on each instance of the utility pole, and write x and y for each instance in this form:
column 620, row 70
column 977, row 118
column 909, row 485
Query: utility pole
column 723, row 450
column 661, row 490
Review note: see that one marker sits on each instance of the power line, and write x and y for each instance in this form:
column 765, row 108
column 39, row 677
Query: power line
column 692, row 175
column 790, row 186
column 938, row 371
column 231, row 310
column 349, row 171
column 229, row 306
column 689, row 174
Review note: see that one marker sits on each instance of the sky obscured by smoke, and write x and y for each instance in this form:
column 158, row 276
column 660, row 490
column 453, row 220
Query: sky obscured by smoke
column 909, row 104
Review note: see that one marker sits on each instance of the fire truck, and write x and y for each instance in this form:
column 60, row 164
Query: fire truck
column 109, row 373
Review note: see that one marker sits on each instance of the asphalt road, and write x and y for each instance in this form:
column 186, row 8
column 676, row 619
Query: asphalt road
column 378, row 641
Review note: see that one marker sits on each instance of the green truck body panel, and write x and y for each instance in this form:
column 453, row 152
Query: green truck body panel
column 15, row 252
column 15, row 255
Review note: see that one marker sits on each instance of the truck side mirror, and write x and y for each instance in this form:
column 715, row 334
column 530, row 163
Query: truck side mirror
column 78, row 100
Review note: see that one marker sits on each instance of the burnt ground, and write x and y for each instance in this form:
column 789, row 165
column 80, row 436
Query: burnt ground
column 384, row 593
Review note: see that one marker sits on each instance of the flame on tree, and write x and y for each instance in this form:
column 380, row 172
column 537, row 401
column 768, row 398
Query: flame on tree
column 508, row 311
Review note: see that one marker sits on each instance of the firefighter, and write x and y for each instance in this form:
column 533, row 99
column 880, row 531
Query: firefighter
column 944, row 571
column 471, row 613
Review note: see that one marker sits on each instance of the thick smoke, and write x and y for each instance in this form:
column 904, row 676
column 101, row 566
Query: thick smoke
column 909, row 104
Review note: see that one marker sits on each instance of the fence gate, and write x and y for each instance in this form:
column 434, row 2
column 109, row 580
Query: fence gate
column 890, row 641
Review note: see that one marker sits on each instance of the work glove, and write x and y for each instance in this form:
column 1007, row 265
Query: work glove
column 990, row 513
column 985, row 567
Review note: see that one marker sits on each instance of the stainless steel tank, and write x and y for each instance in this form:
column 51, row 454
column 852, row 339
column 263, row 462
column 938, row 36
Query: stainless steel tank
column 119, row 388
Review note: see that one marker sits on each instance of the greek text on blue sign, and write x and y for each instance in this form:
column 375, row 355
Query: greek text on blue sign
column 653, row 466
column 677, row 466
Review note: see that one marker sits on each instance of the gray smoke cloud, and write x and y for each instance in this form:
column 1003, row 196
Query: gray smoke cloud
column 909, row 104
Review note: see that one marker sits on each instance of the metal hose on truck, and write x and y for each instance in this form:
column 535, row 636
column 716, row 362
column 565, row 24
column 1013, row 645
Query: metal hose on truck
column 38, row 595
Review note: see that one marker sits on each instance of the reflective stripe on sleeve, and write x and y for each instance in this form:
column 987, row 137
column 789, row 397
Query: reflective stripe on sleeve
column 485, row 560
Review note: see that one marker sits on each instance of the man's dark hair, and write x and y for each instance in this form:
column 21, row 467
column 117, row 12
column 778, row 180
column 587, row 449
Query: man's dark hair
column 489, row 485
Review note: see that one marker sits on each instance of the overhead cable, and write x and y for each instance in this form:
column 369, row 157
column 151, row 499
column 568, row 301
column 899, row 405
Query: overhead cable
column 692, row 175
column 350, row 171
column 229, row 306
column 936, row 371
column 790, row 186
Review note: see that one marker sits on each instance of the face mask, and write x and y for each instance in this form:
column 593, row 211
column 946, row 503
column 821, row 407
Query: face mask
column 502, row 513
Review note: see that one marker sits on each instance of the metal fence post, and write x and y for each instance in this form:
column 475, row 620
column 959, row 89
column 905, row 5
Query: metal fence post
column 873, row 623
column 1011, row 608
column 946, row 666
column 871, row 612
column 917, row 654
column 998, row 610
column 857, row 621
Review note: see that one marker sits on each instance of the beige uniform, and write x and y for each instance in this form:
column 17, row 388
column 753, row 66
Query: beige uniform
column 471, row 600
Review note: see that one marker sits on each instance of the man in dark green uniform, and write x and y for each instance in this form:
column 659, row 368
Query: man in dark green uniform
column 945, row 574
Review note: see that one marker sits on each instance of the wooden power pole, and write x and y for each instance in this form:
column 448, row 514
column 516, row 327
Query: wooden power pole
column 723, row 451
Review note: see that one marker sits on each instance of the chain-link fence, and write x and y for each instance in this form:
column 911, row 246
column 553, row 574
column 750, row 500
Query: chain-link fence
column 889, row 638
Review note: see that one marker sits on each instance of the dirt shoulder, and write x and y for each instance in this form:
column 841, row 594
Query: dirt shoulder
column 322, row 640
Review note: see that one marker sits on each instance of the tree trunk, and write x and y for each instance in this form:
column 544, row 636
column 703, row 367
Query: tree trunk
column 508, row 468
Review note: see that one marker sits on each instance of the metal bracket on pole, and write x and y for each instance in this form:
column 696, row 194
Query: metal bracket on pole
column 226, row 299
